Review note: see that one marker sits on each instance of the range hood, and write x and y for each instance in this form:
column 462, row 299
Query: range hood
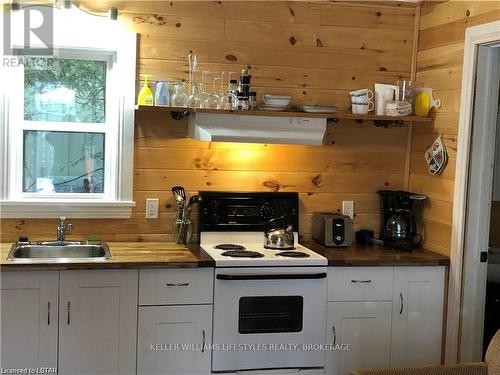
column 217, row 127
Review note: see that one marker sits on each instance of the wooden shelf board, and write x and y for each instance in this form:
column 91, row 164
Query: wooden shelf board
column 338, row 115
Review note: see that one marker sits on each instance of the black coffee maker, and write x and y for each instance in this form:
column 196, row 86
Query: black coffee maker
column 399, row 227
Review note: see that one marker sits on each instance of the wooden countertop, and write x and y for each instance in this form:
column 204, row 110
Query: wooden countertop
column 376, row 256
column 123, row 255
column 172, row 255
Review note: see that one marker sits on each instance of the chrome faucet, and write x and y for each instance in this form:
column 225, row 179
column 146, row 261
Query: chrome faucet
column 63, row 229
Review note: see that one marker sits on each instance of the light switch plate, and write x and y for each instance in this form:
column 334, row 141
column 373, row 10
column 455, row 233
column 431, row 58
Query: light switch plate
column 348, row 209
column 152, row 205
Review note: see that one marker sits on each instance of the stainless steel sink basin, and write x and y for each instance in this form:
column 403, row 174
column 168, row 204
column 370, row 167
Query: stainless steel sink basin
column 59, row 251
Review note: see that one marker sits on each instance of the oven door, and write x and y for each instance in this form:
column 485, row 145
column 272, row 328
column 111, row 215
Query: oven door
column 268, row 318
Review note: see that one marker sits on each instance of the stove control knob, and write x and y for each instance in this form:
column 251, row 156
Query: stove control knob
column 267, row 211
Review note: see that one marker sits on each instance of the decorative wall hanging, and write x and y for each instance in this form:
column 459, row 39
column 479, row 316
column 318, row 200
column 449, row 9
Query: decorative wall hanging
column 436, row 156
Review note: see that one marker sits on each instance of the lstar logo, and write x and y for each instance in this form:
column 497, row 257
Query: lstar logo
column 35, row 23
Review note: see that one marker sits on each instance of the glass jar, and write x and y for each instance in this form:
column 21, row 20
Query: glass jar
column 179, row 98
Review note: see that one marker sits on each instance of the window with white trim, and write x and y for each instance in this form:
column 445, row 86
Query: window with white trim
column 67, row 122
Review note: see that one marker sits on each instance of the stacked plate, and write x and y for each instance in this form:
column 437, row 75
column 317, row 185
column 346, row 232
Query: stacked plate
column 316, row 109
column 276, row 103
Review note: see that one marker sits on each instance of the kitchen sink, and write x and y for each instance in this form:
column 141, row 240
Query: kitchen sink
column 58, row 251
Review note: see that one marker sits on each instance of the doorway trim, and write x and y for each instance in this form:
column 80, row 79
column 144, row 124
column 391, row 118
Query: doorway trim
column 474, row 37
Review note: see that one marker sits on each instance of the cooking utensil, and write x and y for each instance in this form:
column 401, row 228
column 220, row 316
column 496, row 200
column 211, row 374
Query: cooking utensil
column 278, row 236
column 186, row 226
column 180, row 195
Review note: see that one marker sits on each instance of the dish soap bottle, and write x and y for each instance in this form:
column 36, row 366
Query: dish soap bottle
column 145, row 95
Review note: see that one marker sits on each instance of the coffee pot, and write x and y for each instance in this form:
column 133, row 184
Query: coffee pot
column 278, row 235
column 399, row 226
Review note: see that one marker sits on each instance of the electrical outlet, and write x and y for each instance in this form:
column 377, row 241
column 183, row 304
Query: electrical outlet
column 152, row 205
column 348, row 208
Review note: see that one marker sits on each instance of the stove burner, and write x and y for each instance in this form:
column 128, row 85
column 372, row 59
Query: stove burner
column 229, row 246
column 293, row 254
column 242, row 254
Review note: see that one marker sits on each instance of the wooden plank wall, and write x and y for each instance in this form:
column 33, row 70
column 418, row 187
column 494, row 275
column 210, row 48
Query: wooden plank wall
column 439, row 65
column 316, row 52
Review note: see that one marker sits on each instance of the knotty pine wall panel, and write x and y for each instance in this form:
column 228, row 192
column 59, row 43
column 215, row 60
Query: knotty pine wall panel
column 315, row 52
column 439, row 65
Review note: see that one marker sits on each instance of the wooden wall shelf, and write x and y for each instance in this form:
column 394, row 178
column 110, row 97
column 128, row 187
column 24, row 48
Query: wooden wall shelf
column 330, row 116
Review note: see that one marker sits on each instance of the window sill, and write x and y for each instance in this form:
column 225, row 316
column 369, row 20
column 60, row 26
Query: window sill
column 75, row 209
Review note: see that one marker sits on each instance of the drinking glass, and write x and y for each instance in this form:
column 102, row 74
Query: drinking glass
column 196, row 97
column 162, row 93
column 223, row 100
column 179, row 98
column 205, row 93
column 214, row 96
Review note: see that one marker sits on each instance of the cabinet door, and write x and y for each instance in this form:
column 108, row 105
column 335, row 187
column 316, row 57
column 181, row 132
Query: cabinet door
column 174, row 340
column 98, row 322
column 29, row 319
column 361, row 334
column 417, row 315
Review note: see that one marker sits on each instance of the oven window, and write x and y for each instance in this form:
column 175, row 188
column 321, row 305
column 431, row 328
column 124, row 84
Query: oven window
column 270, row 314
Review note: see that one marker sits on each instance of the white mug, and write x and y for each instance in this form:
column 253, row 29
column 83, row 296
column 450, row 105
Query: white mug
column 362, row 107
column 362, row 93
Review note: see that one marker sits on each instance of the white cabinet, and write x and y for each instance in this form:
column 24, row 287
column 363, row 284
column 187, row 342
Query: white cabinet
column 174, row 340
column 98, row 322
column 176, row 286
column 390, row 316
column 366, row 328
column 417, row 315
column 29, row 319
column 360, row 283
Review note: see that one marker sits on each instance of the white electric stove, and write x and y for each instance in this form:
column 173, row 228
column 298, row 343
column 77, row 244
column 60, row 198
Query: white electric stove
column 220, row 246
column 269, row 305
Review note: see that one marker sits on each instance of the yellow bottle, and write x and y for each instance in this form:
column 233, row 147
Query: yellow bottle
column 145, row 95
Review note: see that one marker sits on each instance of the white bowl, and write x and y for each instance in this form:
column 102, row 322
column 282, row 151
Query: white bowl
column 276, row 102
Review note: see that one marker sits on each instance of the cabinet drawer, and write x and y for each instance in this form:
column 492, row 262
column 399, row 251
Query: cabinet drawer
column 176, row 286
column 360, row 283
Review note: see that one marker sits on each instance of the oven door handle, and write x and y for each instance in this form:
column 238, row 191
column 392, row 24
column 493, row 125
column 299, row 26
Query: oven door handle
column 278, row 276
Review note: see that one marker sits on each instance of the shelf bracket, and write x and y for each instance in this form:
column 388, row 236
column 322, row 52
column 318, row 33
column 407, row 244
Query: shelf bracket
column 387, row 123
column 179, row 115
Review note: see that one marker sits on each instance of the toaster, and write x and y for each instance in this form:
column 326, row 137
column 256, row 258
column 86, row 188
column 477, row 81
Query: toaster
column 332, row 230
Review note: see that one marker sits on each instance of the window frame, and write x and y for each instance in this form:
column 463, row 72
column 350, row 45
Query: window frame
column 108, row 42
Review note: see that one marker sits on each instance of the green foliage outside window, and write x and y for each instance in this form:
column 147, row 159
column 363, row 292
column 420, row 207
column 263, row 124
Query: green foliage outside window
column 68, row 90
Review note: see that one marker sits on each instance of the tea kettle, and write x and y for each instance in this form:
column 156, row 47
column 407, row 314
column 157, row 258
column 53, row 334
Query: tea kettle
column 278, row 236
